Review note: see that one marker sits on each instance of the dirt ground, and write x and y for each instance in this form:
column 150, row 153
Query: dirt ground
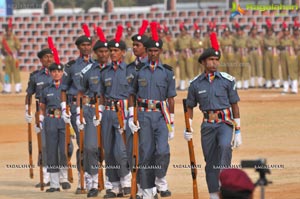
column 270, row 130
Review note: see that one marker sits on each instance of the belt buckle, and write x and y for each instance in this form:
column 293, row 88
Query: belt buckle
column 212, row 116
column 151, row 106
column 57, row 113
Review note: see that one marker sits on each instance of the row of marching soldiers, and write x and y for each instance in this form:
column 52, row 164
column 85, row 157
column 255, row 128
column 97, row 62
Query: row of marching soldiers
column 100, row 99
column 255, row 61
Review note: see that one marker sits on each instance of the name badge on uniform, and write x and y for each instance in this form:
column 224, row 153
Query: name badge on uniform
column 201, row 92
column 40, row 83
column 50, row 94
column 142, row 82
column 94, row 79
column 107, row 82
column 129, row 78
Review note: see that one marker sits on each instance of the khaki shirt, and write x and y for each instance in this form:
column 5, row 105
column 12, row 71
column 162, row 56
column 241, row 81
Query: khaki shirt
column 184, row 42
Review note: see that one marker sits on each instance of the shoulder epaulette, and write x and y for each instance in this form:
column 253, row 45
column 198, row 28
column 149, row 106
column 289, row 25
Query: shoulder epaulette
column 168, row 67
column 34, row 72
column 87, row 68
column 227, row 76
column 191, row 81
column 139, row 66
column 70, row 63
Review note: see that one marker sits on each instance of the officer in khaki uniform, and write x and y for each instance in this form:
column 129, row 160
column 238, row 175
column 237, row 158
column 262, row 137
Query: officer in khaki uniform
column 184, row 46
column 10, row 47
column 198, row 46
column 240, row 69
column 226, row 44
column 296, row 41
column 271, row 58
column 288, row 60
column 129, row 55
column 254, row 43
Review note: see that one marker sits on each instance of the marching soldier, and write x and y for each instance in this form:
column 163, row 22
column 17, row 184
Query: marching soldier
column 215, row 93
column 114, row 89
column 254, row 43
column 288, row 60
column 71, row 83
column 38, row 81
column 139, row 48
column 10, row 47
column 271, row 58
column 184, row 46
column 226, row 44
column 129, row 56
column 51, row 121
column 241, row 70
column 154, row 90
column 198, row 45
column 296, row 42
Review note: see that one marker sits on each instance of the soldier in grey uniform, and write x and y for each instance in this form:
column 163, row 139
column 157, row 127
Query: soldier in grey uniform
column 114, row 89
column 38, row 80
column 139, row 49
column 70, row 85
column 50, row 119
column 216, row 94
column 154, row 90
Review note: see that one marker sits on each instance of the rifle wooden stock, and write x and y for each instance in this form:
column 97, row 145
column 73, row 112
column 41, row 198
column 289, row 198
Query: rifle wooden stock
column 39, row 139
column 135, row 150
column 67, row 147
column 81, row 141
column 120, row 119
column 29, row 131
column 191, row 152
column 100, row 147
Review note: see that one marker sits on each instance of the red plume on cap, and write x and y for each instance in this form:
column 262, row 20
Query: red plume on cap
column 10, row 25
column 196, row 27
column 181, row 26
column 86, row 30
column 214, row 41
column 253, row 23
column 143, row 27
column 55, row 55
column 296, row 24
column 50, row 43
column 101, row 34
column 95, row 27
column 128, row 25
column 236, row 25
column 153, row 26
column 269, row 25
column 166, row 29
column 54, row 51
column 119, row 33
column 284, row 25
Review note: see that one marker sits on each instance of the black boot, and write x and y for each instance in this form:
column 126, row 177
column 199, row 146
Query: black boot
column 52, row 190
column 92, row 193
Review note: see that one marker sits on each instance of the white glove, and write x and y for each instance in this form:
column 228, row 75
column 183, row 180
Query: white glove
column 28, row 118
column 66, row 117
column 39, row 129
column 237, row 139
column 188, row 135
column 134, row 128
column 80, row 125
column 171, row 134
column 95, row 121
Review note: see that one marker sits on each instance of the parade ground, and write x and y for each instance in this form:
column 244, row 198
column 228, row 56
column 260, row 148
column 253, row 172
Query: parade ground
column 270, row 127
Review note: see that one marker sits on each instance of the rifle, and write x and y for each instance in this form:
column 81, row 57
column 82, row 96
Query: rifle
column 120, row 119
column 39, row 138
column 100, row 147
column 135, row 151
column 67, row 147
column 81, row 141
column 191, row 152
column 30, row 140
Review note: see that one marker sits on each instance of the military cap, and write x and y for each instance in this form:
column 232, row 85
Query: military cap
column 43, row 52
column 213, row 51
column 56, row 66
column 117, row 42
column 236, row 180
column 84, row 38
column 154, row 41
column 102, row 42
column 140, row 37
